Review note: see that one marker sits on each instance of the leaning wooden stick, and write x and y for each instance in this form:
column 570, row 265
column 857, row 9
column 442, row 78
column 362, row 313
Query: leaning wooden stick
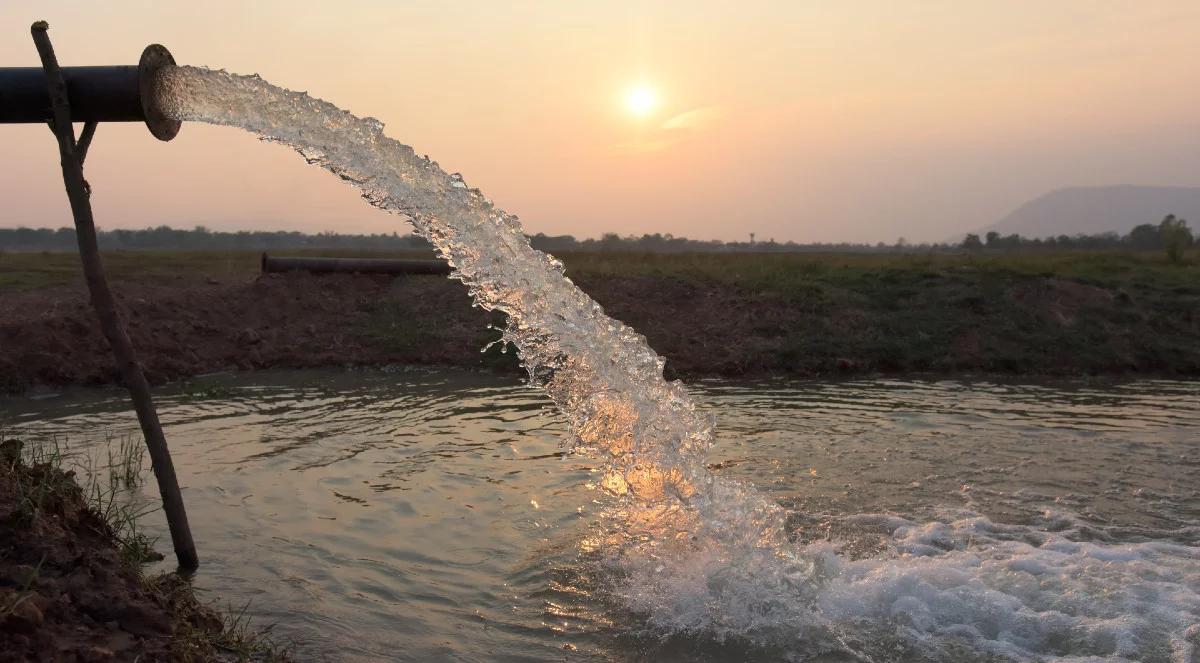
column 72, row 155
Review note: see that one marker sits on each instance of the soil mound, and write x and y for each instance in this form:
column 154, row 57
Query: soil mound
column 66, row 592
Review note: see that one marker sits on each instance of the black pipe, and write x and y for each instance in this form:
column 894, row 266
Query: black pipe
column 353, row 265
column 98, row 94
column 122, row 93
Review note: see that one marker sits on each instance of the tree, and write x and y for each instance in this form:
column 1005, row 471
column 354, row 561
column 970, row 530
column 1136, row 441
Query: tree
column 1176, row 237
column 993, row 239
column 1146, row 236
column 610, row 242
column 972, row 243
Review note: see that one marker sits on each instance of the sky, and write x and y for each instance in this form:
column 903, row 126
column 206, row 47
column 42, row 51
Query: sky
column 796, row 120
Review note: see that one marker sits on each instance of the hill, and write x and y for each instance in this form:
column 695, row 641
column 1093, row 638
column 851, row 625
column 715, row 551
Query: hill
column 1094, row 210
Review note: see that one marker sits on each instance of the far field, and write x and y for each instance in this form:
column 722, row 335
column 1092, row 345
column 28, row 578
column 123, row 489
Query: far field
column 737, row 314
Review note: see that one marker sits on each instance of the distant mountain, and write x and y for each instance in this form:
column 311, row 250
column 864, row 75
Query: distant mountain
column 1094, row 210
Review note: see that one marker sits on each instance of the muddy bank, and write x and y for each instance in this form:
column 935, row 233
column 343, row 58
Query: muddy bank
column 915, row 322
column 69, row 590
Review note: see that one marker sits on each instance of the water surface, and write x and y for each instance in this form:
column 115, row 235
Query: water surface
column 412, row 515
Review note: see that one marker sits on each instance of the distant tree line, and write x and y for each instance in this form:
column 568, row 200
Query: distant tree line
column 1172, row 235
column 201, row 239
column 668, row 243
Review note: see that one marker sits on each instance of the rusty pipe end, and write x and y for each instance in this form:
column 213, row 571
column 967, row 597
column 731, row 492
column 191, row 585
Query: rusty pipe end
column 154, row 58
column 121, row 93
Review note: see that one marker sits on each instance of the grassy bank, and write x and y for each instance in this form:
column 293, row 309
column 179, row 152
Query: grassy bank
column 709, row 314
column 1061, row 313
column 37, row 270
column 789, row 274
column 804, row 314
column 72, row 584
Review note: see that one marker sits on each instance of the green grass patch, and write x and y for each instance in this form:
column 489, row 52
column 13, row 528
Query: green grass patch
column 33, row 270
column 808, row 275
column 802, row 275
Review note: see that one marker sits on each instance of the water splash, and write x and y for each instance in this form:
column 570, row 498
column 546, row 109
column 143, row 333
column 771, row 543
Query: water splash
column 698, row 554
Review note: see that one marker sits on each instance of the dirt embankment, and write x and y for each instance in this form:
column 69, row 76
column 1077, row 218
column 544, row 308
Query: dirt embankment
column 50, row 337
column 67, row 593
column 951, row 323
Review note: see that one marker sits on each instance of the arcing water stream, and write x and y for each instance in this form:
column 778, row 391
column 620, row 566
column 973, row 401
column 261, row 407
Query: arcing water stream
column 700, row 555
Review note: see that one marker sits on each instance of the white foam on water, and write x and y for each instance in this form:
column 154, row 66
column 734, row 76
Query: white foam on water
column 1016, row 592
column 697, row 554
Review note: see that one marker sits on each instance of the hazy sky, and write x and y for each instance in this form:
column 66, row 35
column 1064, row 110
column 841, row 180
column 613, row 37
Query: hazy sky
column 803, row 120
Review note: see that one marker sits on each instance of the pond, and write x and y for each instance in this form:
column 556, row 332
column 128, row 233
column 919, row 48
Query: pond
column 418, row 515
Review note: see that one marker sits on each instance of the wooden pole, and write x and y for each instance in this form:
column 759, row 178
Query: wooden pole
column 78, row 192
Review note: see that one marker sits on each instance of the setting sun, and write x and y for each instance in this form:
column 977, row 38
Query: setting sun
column 641, row 100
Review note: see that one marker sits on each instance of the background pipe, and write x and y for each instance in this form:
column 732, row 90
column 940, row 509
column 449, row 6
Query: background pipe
column 353, row 265
column 122, row 93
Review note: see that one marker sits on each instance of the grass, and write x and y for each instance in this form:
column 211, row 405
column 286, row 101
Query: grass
column 803, row 275
column 125, row 462
column 784, row 273
column 1063, row 312
column 246, row 642
column 237, row 637
column 108, row 489
column 193, row 391
column 46, row 269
